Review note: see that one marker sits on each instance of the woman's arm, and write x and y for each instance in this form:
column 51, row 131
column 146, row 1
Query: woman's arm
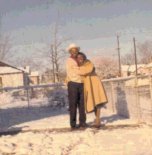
column 86, row 68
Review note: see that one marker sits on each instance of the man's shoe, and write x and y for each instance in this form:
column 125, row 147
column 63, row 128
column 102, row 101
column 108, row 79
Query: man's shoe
column 83, row 126
column 74, row 127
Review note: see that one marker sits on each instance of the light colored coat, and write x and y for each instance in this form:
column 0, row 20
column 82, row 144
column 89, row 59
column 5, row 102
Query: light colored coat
column 72, row 75
column 94, row 93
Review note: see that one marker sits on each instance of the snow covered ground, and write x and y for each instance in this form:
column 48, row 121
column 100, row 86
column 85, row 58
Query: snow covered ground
column 46, row 131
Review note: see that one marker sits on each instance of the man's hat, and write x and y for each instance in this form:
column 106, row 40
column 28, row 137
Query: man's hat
column 73, row 45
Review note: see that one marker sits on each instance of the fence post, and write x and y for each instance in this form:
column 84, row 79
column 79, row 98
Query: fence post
column 27, row 88
column 150, row 87
column 112, row 96
column 28, row 98
column 137, row 100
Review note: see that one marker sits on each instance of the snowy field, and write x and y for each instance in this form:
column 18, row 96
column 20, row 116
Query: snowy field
column 44, row 130
column 51, row 135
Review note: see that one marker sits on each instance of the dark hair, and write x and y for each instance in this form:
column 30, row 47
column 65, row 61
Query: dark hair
column 82, row 54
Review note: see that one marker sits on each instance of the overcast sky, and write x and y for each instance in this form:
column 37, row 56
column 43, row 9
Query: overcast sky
column 93, row 24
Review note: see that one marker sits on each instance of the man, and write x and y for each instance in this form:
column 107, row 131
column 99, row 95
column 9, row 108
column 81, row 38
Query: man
column 75, row 89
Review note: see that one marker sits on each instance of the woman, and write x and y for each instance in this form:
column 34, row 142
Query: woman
column 94, row 93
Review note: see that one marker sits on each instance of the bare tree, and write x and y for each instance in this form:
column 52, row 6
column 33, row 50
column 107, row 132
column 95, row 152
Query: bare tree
column 106, row 67
column 26, row 61
column 57, row 53
column 128, row 59
column 145, row 51
column 5, row 48
column 5, row 44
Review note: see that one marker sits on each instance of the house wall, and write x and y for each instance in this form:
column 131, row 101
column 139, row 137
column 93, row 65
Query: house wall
column 12, row 80
column 0, row 82
column 124, row 73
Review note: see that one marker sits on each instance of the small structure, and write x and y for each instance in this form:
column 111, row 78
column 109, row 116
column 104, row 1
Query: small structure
column 149, row 67
column 130, row 70
column 10, row 76
column 34, row 77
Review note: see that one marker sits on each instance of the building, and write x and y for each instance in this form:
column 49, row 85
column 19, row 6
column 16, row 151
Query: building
column 10, row 76
column 34, row 78
column 130, row 70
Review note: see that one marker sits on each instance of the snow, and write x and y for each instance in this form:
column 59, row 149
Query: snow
column 44, row 130
column 5, row 98
column 5, row 70
column 120, row 136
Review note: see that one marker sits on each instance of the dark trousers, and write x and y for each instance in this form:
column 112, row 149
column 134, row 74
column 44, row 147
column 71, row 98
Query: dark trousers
column 76, row 100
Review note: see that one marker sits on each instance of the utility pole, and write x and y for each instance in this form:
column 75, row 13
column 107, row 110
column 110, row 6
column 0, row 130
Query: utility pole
column 0, row 25
column 135, row 55
column 119, row 61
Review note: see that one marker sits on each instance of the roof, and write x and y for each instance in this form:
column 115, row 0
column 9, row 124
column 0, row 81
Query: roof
column 6, row 68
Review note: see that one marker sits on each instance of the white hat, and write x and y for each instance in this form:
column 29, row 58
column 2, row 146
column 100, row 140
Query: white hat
column 73, row 45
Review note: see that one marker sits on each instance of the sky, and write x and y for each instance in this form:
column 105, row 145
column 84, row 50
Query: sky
column 92, row 24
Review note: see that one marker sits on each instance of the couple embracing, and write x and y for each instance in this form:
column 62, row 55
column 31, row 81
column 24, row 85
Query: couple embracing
column 85, row 90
